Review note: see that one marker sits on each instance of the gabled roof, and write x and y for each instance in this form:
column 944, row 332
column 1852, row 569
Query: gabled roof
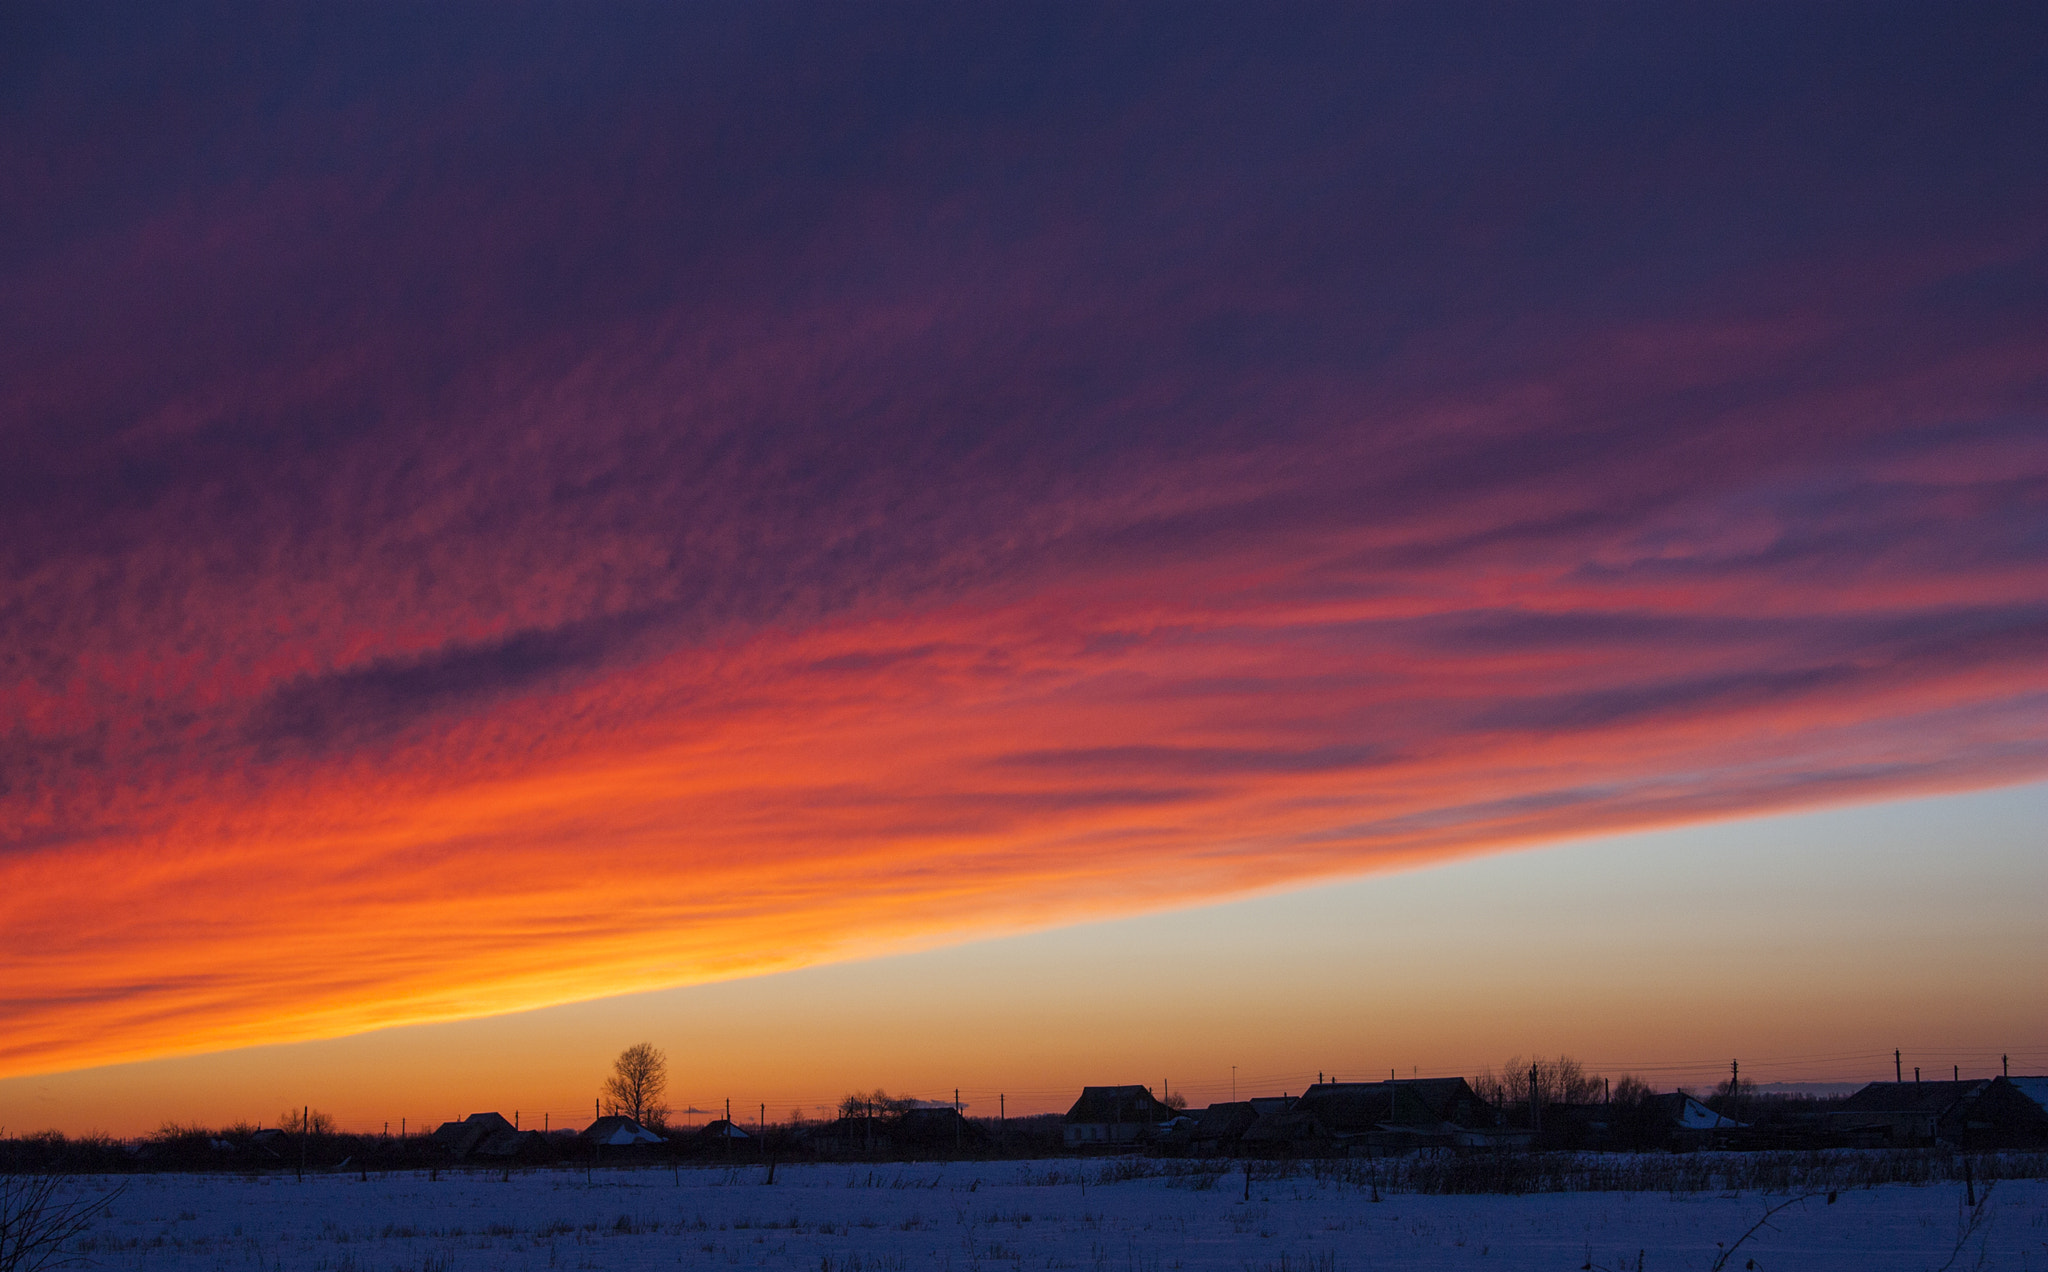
column 720, row 1128
column 2035, row 1089
column 1345, row 1108
column 1132, row 1104
column 1685, row 1113
column 942, row 1125
column 1911, row 1097
column 1354, row 1108
column 1274, row 1121
column 613, row 1129
column 463, row 1137
column 1224, row 1121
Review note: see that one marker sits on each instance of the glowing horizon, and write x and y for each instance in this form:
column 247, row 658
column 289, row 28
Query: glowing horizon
column 1656, row 954
column 505, row 519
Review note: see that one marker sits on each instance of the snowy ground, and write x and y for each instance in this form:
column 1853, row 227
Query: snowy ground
column 1020, row 1217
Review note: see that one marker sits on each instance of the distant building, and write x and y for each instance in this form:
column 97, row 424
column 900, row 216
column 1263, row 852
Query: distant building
column 1219, row 1130
column 616, row 1131
column 1904, row 1112
column 848, row 1136
column 1682, row 1113
column 1108, row 1116
column 939, row 1129
column 1391, row 1116
column 461, row 1138
column 2034, row 1090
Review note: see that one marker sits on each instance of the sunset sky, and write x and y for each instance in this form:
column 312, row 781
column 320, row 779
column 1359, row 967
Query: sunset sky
column 1002, row 546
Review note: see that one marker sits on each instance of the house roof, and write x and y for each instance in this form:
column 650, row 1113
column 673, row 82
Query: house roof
column 1345, row 1108
column 1688, row 1114
column 2035, row 1089
column 1118, row 1104
column 1224, row 1121
column 616, row 1130
column 1353, row 1108
column 1911, row 1097
column 463, row 1137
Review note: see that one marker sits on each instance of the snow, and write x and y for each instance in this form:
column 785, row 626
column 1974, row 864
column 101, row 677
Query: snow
column 2035, row 1089
column 626, row 1135
column 1698, row 1117
column 1014, row 1217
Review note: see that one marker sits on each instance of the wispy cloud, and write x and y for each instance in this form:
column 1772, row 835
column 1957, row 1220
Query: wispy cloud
column 497, row 518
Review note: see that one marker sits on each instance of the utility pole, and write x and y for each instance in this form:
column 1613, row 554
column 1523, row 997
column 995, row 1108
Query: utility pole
column 1734, row 1078
column 1916, row 1075
column 1898, row 1074
column 515, row 1119
column 1956, row 1072
column 2005, row 1065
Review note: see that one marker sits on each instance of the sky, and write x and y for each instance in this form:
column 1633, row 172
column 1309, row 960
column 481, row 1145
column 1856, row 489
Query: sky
column 554, row 509
column 1661, row 954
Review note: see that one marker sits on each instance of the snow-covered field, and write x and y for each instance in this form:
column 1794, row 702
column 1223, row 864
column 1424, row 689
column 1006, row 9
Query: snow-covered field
column 1021, row 1217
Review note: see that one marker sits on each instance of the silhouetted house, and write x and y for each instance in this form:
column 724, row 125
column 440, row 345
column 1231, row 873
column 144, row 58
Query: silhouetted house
column 268, row 1140
column 1671, row 1120
column 2007, row 1113
column 1216, row 1131
column 514, row 1146
column 1905, row 1112
column 1112, row 1116
column 1686, row 1121
column 721, row 1129
column 460, row 1139
column 1392, row 1116
column 2035, row 1090
column 938, row 1130
column 616, row 1131
column 849, row 1137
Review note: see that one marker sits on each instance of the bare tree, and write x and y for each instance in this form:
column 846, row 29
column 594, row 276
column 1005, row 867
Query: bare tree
column 639, row 1080
column 1559, row 1081
column 36, row 1222
column 303, row 1121
column 875, row 1103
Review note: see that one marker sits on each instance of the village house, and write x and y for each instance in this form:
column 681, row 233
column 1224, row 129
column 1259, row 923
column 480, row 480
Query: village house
column 618, row 1131
column 1390, row 1116
column 1113, row 1116
column 464, row 1136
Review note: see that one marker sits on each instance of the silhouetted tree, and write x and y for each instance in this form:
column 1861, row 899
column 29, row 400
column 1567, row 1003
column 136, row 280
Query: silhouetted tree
column 1559, row 1081
column 875, row 1103
column 302, row 1121
column 38, row 1221
column 639, row 1080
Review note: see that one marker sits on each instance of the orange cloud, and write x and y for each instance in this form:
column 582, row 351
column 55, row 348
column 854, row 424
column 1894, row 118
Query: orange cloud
column 915, row 777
